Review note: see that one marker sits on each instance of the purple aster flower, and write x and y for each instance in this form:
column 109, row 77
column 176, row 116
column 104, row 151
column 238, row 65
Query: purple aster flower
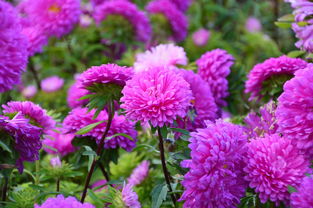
column 35, row 113
column 273, row 164
column 36, row 39
column 214, row 67
column 80, row 117
column 61, row 202
column 130, row 12
column 105, row 74
column 74, row 94
column 303, row 24
column 55, row 17
column 216, row 177
column 29, row 91
column 26, row 138
column 294, row 110
column 58, row 140
column 253, row 25
column 139, row 174
column 56, row 162
column 176, row 18
column 303, row 197
column 52, row 84
column 129, row 197
column 283, row 65
column 263, row 123
column 161, row 55
column 182, row 5
column 158, row 95
column 201, row 37
column 13, row 47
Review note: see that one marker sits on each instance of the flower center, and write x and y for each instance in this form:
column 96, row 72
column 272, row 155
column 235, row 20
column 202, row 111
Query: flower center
column 54, row 8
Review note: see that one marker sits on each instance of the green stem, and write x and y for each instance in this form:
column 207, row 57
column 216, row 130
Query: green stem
column 37, row 181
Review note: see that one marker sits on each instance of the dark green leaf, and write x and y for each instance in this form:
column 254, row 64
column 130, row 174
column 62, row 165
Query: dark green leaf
column 158, row 194
column 88, row 128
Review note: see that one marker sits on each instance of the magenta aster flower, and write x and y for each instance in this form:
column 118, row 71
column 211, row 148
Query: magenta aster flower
column 59, row 141
column 253, row 25
column 161, row 55
column 201, row 37
column 35, row 113
column 158, row 95
column 13, row 47
column 52, row 84
column 130, row 12
column 26, row 138
column 264, row 122
column 29, row 91
column 294, row 111
column 176, row 18
column 80, row 117
column 36, row 39
column 139, row 174
column 273, row 164
column 271, row 67
column 214, row 67
column 60, row 201
column 215, row 177
column 104, row 74
column 74, row 94
column 55, row 17
column 303, row 197
column 182, row 5
column 129, row 197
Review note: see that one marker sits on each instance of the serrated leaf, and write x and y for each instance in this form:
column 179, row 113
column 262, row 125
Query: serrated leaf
column 158, row 194
column 88, row 128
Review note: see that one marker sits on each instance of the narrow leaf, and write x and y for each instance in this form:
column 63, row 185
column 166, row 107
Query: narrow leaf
column 88, row 128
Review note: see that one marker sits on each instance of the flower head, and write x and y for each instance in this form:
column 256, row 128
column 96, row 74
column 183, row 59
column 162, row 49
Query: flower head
column 139, row 174
column 214, row 67
column 269, row 69
column 253, row 25
column 35, row 113
column 130, row 12
column 60, row 201
column 52, row 84
column 201, row 37
column 60, row 141
column 29, row 91
column 13, row 47
column 182, row 5
column 80, row 117
column 36, row 39
column 176, row 18
column 129, row 197
column 273, row 164
column 294, row 111
column 161, row 55
column 303, row 197
column 158, row 95
column 215, row 177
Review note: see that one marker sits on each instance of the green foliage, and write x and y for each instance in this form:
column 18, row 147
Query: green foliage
column 22, row 197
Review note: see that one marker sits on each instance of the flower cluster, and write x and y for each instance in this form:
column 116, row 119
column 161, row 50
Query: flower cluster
column 61, row 201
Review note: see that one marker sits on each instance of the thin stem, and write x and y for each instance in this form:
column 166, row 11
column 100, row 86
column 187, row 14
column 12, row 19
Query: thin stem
column 165, row 171
column 5, row 188
column 58, row 184
column 99, row 150
column 105, row 174
column 35, row 74
column 37, row 181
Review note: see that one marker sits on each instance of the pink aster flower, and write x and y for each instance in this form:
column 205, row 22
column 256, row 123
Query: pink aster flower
column 32, row 111
column 74, row 94
column 214, row 67
column 176, row 18
column 215, row 177
column 253, row 25
column 62, row 202
column 271, row 67
column 55, row 17
column 80, row 117
column 36, row 39
column 182, row 5
column 29, row 91
column 139, row 174
column 59, row 141
column 104, row 74
column 52, row 84
column 13, row 47
column 303, row 197
column 130, row 12
column 201, row 37
column 129, row 197
column 161, row 55
column 158, row 96
column 294, row 111
column 273, row 164
column 264, row 122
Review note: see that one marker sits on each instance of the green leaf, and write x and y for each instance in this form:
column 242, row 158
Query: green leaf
column 287, row 18
column 5, row 147
column 183, row 131
column 284, row 25
column 91, row 154
column 88, row 128
column 158, row 194
column 291, row 189
column 164, row 132
column 295, row 54
column 120, row 134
